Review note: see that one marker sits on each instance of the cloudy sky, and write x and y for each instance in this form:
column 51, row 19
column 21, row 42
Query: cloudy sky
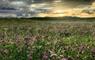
column 37, row 6
column 25, row 3
column 8, row 2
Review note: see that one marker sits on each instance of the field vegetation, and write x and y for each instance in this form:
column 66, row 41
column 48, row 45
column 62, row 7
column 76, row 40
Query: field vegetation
column 27, row 39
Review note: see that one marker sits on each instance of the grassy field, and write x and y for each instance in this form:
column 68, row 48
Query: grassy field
column 27, row 39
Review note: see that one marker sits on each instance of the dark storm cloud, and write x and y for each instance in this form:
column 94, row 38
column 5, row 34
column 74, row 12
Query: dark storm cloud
column 2, row 2
column 79, row 1
column 25, row 3
column 66, row 2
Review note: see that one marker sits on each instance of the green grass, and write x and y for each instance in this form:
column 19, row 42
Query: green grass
column 22, row 39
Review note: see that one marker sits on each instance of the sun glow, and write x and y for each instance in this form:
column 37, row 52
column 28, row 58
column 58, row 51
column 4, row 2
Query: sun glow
column 59, row 11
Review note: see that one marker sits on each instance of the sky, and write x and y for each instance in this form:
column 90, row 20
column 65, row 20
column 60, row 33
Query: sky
column 41, row 6
column 19, row 3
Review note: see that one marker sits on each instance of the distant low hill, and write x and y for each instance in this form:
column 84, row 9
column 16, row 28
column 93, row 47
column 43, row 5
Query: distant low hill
column 66, row 18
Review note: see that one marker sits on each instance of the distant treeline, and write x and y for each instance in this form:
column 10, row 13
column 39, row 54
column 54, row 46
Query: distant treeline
column 52, row 18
